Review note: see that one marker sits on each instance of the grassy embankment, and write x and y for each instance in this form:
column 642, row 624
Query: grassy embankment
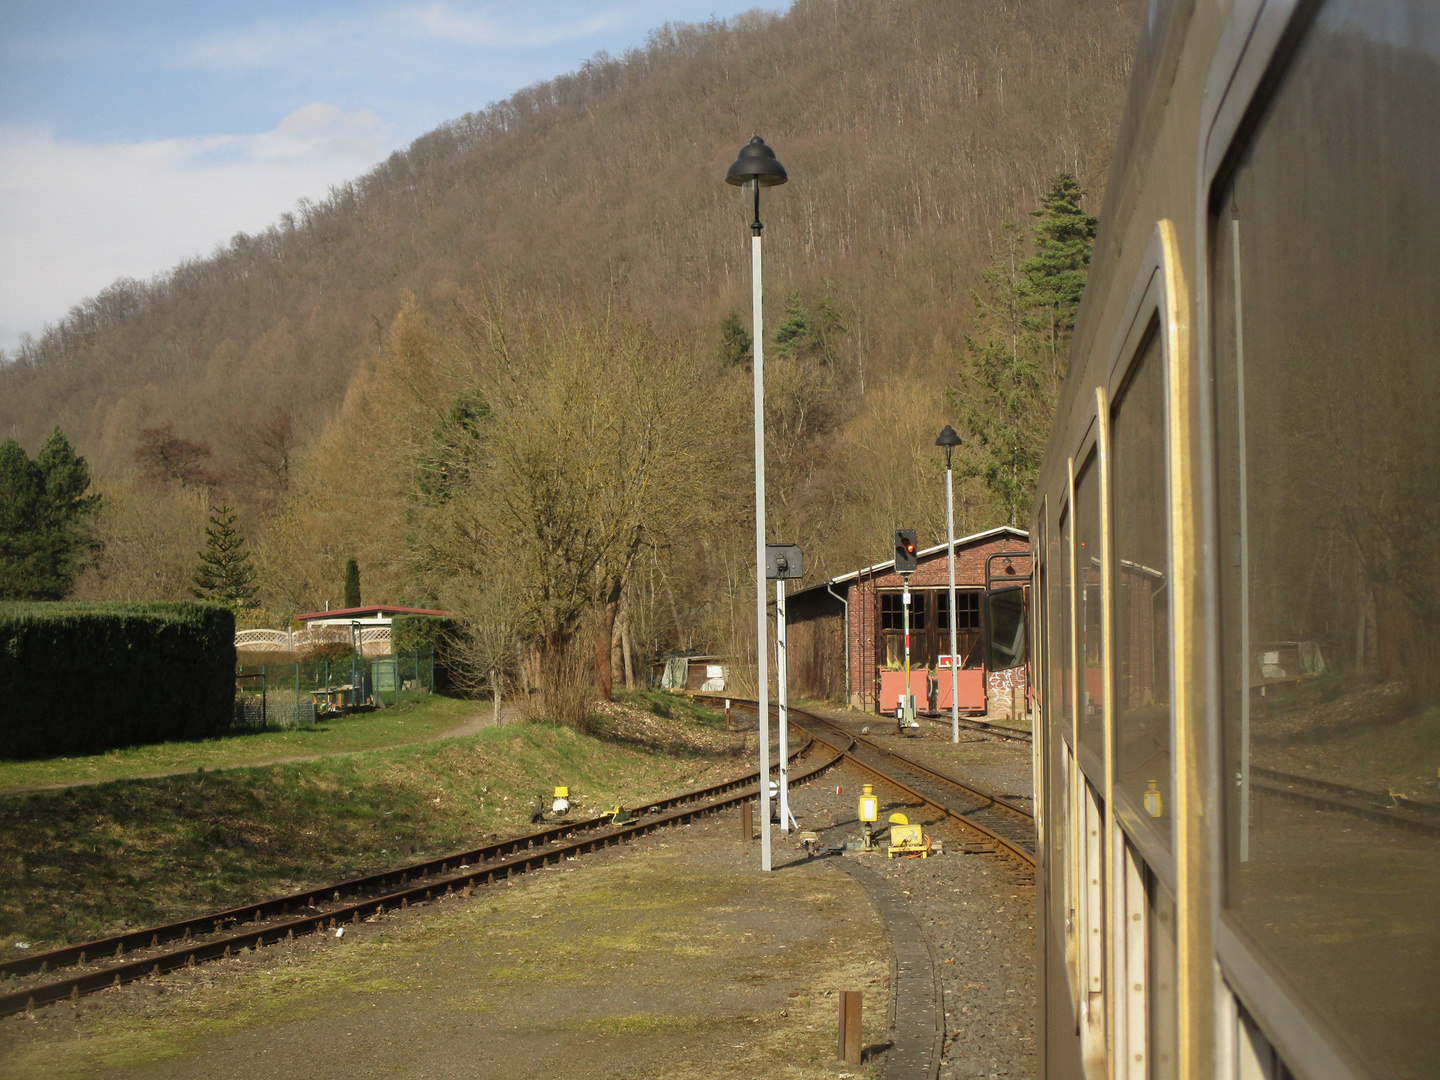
column 411, row 721
column 81, row 862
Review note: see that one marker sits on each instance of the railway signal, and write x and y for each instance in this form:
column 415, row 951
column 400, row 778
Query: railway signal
column 905, row 559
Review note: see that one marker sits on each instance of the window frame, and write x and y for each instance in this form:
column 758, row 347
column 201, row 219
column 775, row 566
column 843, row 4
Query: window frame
column 1250, row 60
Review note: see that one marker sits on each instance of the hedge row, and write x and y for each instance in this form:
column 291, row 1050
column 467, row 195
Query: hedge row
column 82, row 678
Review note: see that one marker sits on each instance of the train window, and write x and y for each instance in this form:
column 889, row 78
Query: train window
column 1142, row 598
column 1064, row 623
column 1325, row 278
column 1089, row 601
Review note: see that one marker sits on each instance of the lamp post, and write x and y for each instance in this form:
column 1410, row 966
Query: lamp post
column 949, row 440
column 758, row 167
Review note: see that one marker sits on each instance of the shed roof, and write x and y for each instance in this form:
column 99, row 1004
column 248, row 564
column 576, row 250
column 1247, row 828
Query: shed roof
column 371, row 611
column 960, row 541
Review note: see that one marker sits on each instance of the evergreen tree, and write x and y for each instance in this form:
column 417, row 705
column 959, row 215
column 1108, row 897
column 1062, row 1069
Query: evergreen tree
column 1055, row 274
column 1017, row 357
column 352, row 583
column 735, row 342
column 454, row 449
column 45, row 518
column 793, row 333
column 225, row 573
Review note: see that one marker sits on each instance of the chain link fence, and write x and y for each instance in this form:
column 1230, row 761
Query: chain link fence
column 297, row 694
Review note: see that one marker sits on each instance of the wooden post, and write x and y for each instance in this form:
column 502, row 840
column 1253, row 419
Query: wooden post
column 850, row 1044
column 747, row 821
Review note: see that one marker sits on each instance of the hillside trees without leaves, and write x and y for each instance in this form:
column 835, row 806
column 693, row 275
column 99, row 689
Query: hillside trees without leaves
column 345, row 368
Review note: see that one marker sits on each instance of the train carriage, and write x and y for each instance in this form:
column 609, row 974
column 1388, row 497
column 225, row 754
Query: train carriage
column 1235, row 624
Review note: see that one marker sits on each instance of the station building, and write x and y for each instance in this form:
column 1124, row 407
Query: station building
column 846, row 638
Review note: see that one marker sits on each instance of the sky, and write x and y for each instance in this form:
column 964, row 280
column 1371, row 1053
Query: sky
column 135, row 135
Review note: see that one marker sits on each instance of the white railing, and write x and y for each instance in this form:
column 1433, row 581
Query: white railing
column 374, row 640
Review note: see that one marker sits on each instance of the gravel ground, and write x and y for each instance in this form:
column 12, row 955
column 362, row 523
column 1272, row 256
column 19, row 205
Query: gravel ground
column 978, row 917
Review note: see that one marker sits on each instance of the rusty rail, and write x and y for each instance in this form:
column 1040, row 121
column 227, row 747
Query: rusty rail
column 1019, row 850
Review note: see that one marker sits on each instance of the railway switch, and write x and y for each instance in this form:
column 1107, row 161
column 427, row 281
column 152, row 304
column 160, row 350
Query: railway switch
column 869, row 813
column 906, row 839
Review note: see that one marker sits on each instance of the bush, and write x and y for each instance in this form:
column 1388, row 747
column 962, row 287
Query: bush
column 416, row 633
column 82, row 678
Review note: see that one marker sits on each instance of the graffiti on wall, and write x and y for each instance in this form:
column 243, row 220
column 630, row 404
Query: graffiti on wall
column 1005, row 692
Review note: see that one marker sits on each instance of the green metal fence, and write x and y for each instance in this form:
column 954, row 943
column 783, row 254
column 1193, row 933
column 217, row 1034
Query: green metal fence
column 290, row 695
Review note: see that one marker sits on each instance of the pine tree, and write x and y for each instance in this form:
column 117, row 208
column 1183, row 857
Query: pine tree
column 45, row 519
column 792, row 335
column 735, row 342
column 1001, row 394
column 225, row 573
column 1017, row 357
column 1055, row 274
column 352, row 583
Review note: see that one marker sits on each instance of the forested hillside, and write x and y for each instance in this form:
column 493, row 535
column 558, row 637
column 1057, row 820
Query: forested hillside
column 324, row 374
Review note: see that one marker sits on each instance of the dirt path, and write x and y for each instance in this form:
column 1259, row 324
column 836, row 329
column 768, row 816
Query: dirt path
column 508, row 715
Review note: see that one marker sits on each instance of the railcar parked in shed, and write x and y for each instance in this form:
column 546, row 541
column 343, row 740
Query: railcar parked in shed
column 1235, row 633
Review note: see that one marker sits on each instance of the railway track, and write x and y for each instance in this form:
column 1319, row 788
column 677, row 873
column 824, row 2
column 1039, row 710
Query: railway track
column 999, row 731
column 1396, row 811
column 156, row 950
column 1007, row 824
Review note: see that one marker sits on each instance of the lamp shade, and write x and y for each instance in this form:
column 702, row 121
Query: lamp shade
column 948, row 437
column 756, row 162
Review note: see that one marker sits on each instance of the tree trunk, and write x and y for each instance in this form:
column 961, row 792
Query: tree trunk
column 495, row 689
column 617, row 660
column 602, row 651
column 625, row 649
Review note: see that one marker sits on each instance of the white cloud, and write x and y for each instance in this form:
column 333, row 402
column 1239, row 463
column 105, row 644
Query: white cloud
column 75, row 216
column 374, row 36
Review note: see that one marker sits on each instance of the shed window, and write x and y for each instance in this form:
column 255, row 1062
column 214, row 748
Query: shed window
column 892, row 611
column 967, row 603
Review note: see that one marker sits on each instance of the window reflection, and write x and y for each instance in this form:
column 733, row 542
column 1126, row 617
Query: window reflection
column 1326, row 274
column 1142, row 595
column 1089, row 603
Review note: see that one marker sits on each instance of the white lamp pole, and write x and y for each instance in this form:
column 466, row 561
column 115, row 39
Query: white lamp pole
column 758, row 167
column 949, row 440
column 782, row 687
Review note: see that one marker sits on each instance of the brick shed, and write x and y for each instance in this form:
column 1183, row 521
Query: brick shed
column 865, row 606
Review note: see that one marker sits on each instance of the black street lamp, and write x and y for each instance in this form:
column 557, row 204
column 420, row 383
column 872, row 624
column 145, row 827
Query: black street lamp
column 758, row 167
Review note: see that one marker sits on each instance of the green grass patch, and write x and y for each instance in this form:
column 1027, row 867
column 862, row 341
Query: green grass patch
column 408, row 722
column 83, row 862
